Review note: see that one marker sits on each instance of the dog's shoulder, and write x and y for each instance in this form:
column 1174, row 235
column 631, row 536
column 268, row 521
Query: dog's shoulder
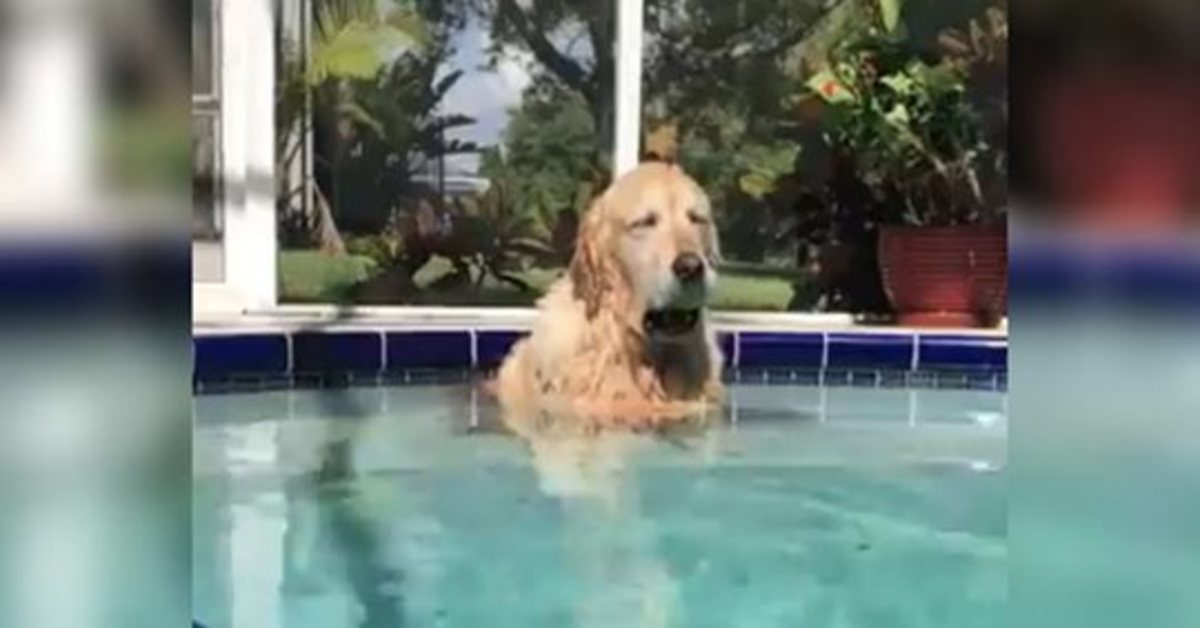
column 557, row 331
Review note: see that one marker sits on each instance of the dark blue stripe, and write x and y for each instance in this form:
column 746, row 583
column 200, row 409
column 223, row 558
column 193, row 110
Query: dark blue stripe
column 361, row 352
column 760, row 349
column 493, row 346
column 1057, row 272
column 960, row 352
column 353, row 352
column 223, row 356
column 726, row 342
column 871, row 350
column 428, row 349
column 56, row 279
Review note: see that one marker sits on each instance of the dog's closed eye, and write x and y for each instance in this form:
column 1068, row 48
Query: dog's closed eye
column 698, row 218
column 648, row 221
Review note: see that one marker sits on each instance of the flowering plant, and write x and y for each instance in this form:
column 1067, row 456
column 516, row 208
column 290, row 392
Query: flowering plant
column 919, row 143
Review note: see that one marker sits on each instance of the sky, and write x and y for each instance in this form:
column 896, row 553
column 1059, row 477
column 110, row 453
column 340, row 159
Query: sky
column 484, row 94
column 488, row 94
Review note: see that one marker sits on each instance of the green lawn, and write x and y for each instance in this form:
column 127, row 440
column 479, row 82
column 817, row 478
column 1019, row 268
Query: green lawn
column 313, row 277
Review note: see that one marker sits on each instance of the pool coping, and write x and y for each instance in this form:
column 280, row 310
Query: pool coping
column 364, row 343
column 296, row 316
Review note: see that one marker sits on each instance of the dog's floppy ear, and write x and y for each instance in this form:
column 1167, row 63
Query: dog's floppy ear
column 590, row 269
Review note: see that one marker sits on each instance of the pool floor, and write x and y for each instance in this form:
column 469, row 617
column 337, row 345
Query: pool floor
column 406, row 506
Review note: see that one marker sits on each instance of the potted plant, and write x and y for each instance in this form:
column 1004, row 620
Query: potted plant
column 928, row 150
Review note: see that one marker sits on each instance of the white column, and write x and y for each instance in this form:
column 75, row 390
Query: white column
column 248, row 141
column 627, row 142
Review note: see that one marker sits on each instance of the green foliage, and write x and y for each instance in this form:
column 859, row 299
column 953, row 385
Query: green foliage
column 382, row 250
column 395, row 115
column 370, row 95
column 985, row 41
column 309, row 276
column 889, row 13
column 725, row 75
column 393, row 130
column 915, row 137
column 548, row 160
column 370, row 89
column 722, row 73
column 763, row 165
column 503, row 237
column 356, row 39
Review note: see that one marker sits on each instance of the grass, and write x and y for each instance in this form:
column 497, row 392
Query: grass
column 313, row 277
column 737, row 291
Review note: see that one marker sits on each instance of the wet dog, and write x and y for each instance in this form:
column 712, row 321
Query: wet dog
column 624, row 336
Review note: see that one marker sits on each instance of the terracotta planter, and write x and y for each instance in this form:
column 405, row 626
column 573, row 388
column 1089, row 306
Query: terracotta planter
column 945, row 276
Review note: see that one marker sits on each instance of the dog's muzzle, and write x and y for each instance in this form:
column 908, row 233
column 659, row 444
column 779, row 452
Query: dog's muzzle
column 688, row 268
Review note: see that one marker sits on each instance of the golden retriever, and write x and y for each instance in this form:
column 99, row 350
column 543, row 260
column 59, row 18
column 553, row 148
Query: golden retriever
column 623, row 338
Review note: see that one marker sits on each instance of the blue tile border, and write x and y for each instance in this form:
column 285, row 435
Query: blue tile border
column 351, row 352
column 491, row 346
column 1145, row 274
column 727, row 343
column 429, row 349
column 870, row 350
column 766, row 349
column 962, row 352
column 223, row 358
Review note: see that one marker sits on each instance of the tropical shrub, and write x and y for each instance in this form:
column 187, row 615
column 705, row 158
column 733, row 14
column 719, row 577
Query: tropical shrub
column 919, row 143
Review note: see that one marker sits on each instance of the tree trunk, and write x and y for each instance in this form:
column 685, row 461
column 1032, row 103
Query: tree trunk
column 604, row 119
column 328, row 237
column 602, row 32
column 596, row 85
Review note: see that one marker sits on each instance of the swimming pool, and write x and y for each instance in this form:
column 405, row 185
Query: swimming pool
column 409, row 506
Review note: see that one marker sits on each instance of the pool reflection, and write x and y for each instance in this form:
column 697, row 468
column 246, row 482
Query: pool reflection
column 421, row 506
column 611, row 545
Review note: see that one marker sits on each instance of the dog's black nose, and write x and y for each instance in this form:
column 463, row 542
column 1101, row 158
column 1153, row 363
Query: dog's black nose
column 688, row 267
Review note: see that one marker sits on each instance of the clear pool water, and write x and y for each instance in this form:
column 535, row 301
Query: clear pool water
column 407, row 506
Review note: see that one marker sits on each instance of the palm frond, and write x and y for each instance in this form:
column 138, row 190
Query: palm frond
column 359, row 114
column 353, row 39
column 445, row 83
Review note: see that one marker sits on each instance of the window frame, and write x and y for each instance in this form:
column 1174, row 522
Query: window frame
column 242, row 103
column 208, row 105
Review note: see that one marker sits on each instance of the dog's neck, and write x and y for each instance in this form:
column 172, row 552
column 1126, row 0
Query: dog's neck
column 682, row 364
column 679, row 365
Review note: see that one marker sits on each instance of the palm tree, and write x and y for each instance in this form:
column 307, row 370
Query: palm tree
column 350, row 40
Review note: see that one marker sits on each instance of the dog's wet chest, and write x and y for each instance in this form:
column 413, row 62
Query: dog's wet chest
column 681, row 369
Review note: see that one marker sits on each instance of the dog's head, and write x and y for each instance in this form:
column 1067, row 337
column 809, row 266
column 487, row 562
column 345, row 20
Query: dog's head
column 648, row 246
